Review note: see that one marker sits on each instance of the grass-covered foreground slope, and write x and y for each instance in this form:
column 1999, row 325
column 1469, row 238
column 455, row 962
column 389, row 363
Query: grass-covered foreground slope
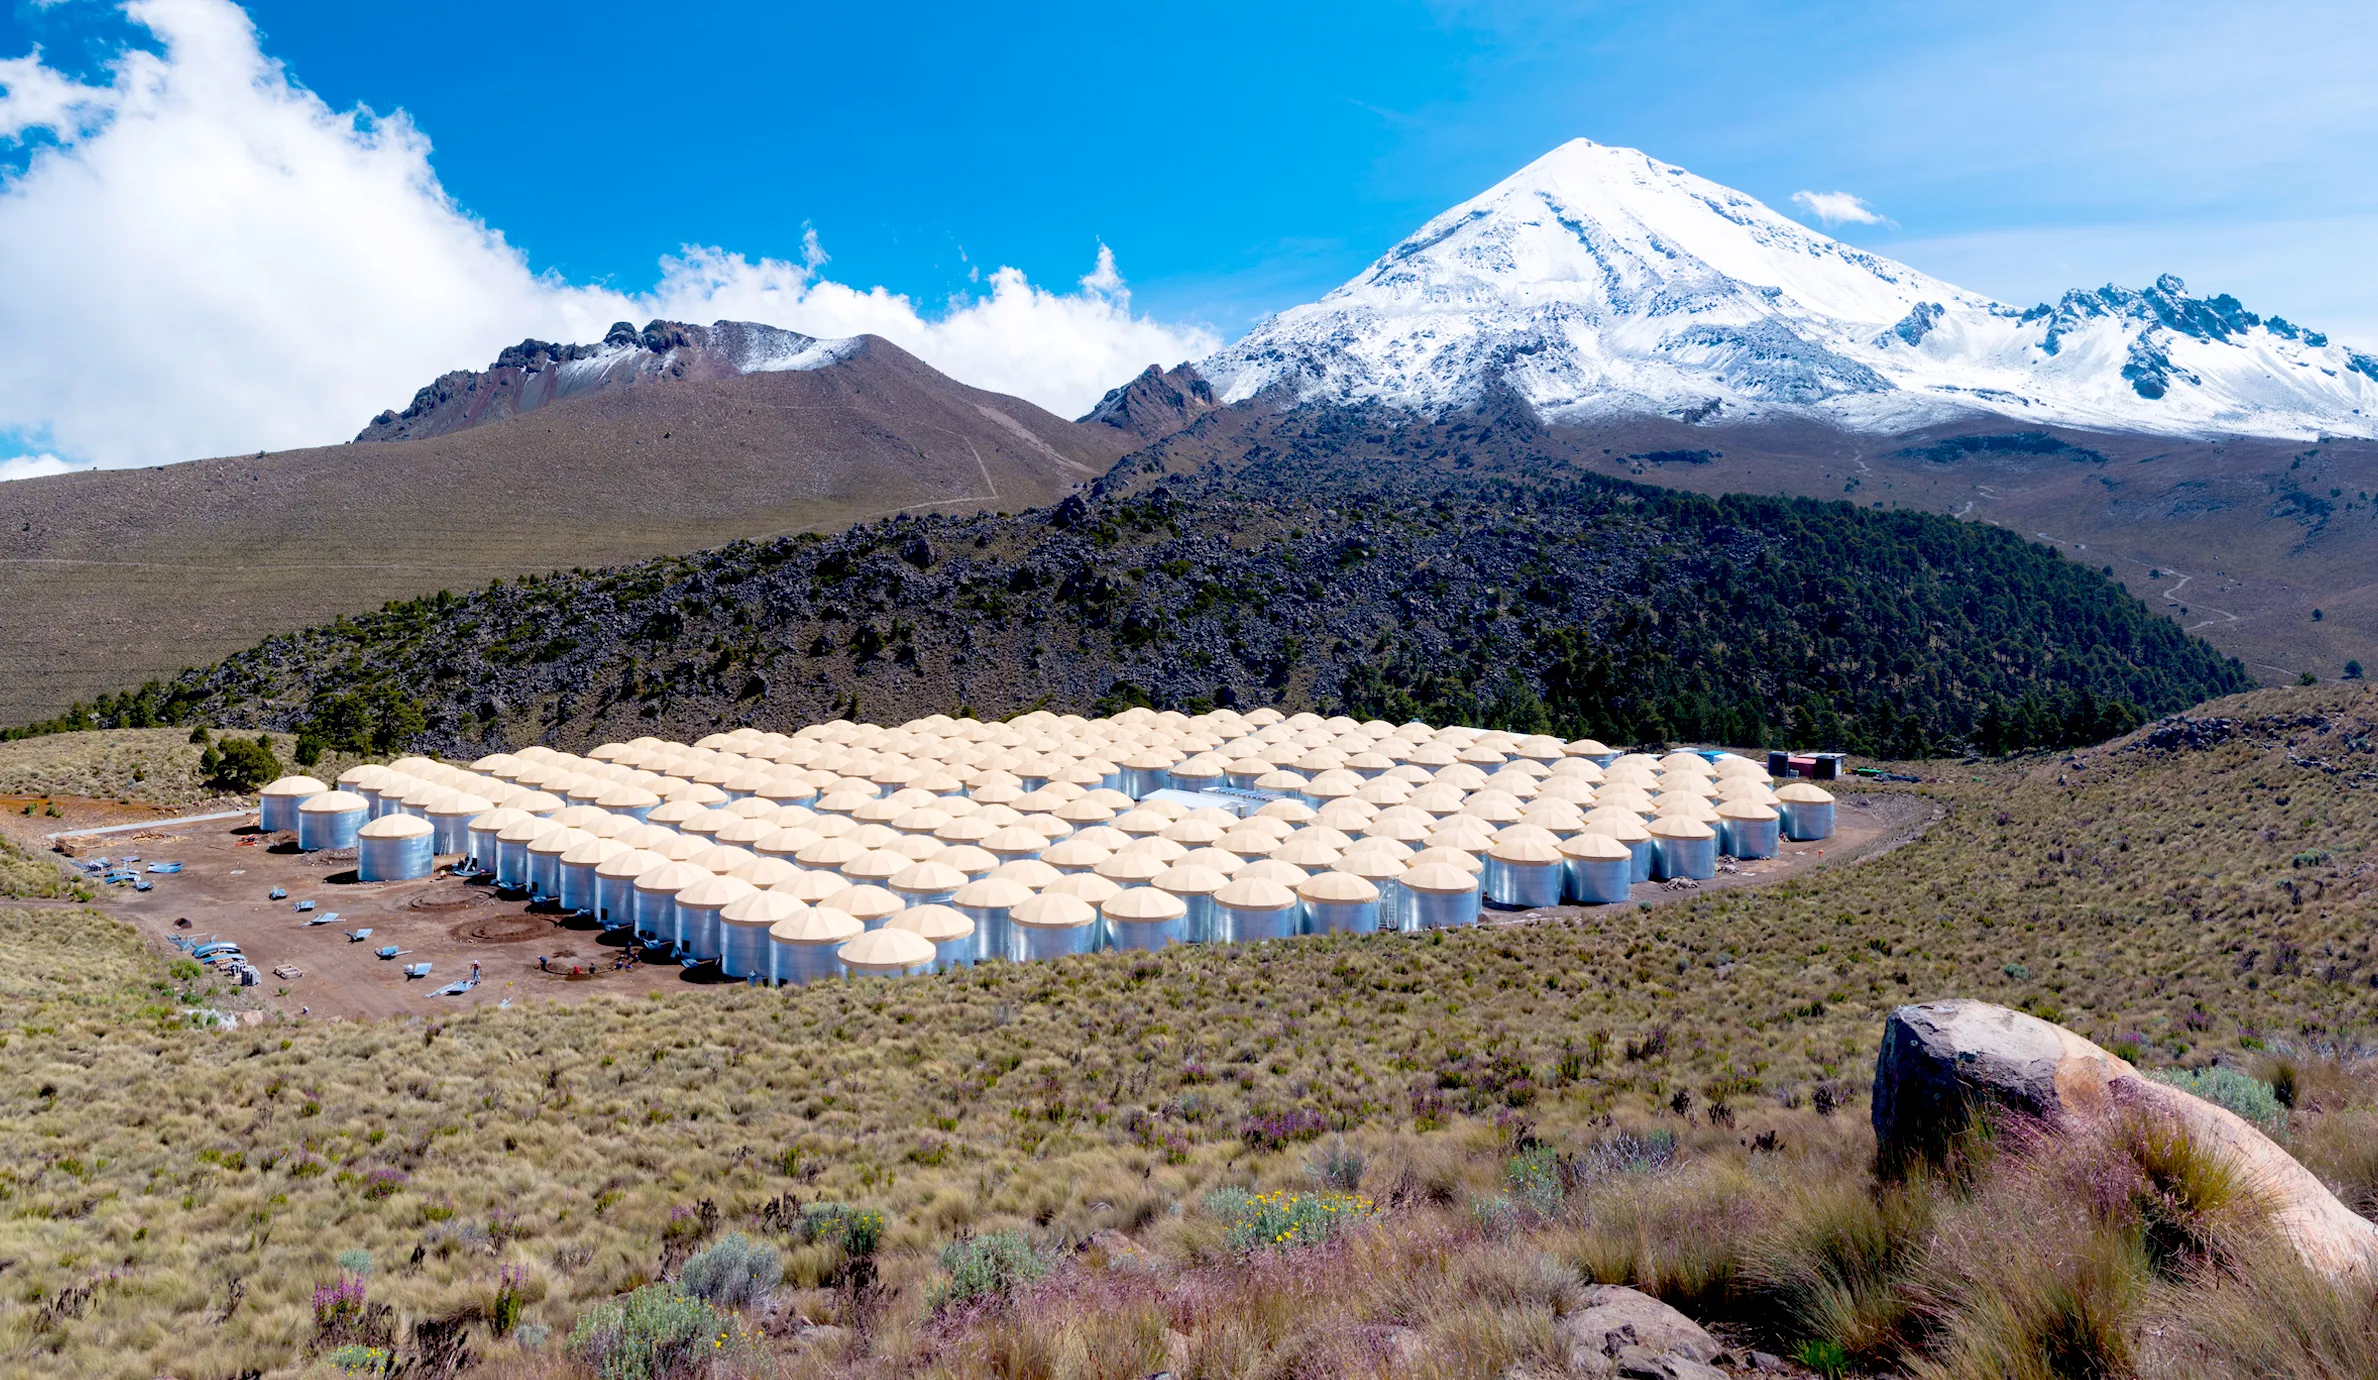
column 172, row 1198
column 1585, row 607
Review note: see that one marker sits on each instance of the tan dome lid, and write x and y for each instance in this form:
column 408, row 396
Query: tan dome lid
column 1220, row 860
column 525, row 830
column 1573, row 789
column 928, row 877
column 462, row 803
column 1194, row 833
column 673, row 878
column 397, row 827
column 1625, row 827
column 1249, row 842
column 866, row 901
column 811, row 887
column 830, row 853
column 1053, row 911
column 1337, row 888
column 1372, row 864
column 675, row 812
column 1680, row 827
column 845, row 800
column 971, row 828
column 765, row 872
column 1082, row 810
column 1448, row 857
column 332, row 803
column 1524, row 851
column 1745, row 809
column 1188, row 879
column 593, row 850
column 1151, row 759
column 1076, row 853
column 497, row 762
column 679, row 847
column 502, row 817
column 636, row 835
column 992, row 893
column 537, row 802
column 367, row 774
column 1131, row 869
column 629, row 863
column 1584, row 747
column 625, row 797
column 1512, row 832
column 1591, row 847
column 746, row 830
column 1144, row 905
column 1088, row 886
column 1307, row 852
column 877, row 865
column 1801, row 793
column 1292, row 812
column 714, row 891
column 1247, row 892
column 578, row 816
column 1014, row 838
column 814, row 925
column 886, row 950
column 1200, row 768
column 965, row 857
column 938, row 924
column 1437, row 879
column 1032, row 872
column 722, row 858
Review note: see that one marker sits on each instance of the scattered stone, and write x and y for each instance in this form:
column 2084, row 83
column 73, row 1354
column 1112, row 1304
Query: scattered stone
column 1940, row 1060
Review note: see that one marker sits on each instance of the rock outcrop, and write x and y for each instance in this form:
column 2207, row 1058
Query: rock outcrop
column 1157, row 403
column 1942, row 1062
column 1629, row 1335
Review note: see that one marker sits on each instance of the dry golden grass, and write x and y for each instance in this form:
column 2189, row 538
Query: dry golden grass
column 154, row 766
column 171, row 1197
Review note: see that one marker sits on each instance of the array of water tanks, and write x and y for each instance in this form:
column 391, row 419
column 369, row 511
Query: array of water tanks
column 854, row 849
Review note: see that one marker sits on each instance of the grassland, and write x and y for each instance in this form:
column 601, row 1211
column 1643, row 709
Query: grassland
column 2199, row 893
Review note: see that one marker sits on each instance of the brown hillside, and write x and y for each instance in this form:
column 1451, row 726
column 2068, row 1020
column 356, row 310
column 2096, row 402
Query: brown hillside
column 110, row 578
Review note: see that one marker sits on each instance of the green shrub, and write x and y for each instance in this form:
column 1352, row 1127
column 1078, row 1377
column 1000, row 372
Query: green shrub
column 986, row 1267
column 858, row 1231
column 1535, row 1178
column 654, row 1333
column 1285, row 1219
column 733, row 1272
column 2242, row 1093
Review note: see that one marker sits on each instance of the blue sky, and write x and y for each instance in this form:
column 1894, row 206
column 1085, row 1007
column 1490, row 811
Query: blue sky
column 1239, row 158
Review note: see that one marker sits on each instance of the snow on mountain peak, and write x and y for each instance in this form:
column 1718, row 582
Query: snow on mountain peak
column 1599, row 281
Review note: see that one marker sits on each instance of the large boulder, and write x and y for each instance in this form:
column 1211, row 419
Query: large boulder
column 1942, row 1061
column 1629, row 1335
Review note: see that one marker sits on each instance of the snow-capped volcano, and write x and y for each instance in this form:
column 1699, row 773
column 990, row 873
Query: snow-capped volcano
column 1598, row 281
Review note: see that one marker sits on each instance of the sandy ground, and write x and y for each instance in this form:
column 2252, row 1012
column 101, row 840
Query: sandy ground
column 229, row 870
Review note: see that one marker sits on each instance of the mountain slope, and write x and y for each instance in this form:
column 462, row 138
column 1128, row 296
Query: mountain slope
column 109, row 578
column 1597, row 282
column 1577, row 605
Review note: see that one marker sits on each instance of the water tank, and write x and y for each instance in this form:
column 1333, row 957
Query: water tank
column 544, row 860
column 1683, row 847
column 1807, row 812
column 330, row 819
column 1255, row 908
column 1384, row 870
column 581, row 886
column 615, row 885
column 656, row 900
column 928, row 884
column 1146, row 918
column 949, row 932
column 1014, row 843
column 1340, row 903
column 1148, row 771
column 1748, row 829
column 365, row 781
column 1627, row 828
column 1076, row 855
column 987, row 903
column 743, row 949
column 394, row 848
column 801, row 948
column 870, row 905
column 1194, row 886
column 451, row 818
column 1599, row 869
column 623, row 799
column 886, row 953
column 1051, row 926
column 698, row 908
column 276, row 804
column 1524, row 873
column 483, row 831
column 1439, row 896
column 511, row 850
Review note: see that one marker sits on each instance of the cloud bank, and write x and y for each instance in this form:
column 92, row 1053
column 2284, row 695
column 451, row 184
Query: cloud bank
column 1837, row 208
column 204, row 258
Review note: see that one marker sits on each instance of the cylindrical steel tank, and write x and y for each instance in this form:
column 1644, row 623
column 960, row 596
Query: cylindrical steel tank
column 949, row 932
column 1340, row 903
column 1145, row 917
column 656, row 900
column 452, row 818
column 544, row 860
column 1807, row 812
column 743, row 950
column 330, row 819
column 1523, row 874
column 698, row 908
column 581, row 884
column 988, row 904
column 395, row 848
column 1051, row 926
column 615, row 885
column 802, row 948
column 276, row 804
column 1683, row 847
column 1599, row 869
column 1747, row 829
column 886, row 953
column 927, row 884
column 1195, row 886
column 1252, row 908
column 1439, row 896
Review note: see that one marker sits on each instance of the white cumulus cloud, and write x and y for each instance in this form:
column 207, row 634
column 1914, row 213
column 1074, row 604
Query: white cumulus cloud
column 1838, row 208
column 216, row 261
column 32, row 467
